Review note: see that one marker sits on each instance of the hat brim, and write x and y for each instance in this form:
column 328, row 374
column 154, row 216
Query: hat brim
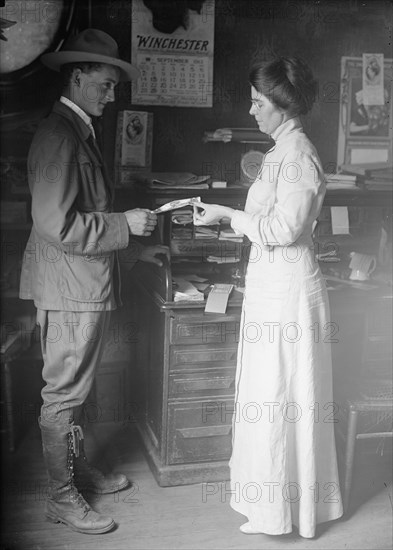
column 54, row 60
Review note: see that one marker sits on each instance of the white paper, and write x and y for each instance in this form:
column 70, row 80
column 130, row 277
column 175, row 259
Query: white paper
column 180, row 203
column 217, row 299
column 222, row 259
column 186, row 291
column 366, row 156
column 340, row 220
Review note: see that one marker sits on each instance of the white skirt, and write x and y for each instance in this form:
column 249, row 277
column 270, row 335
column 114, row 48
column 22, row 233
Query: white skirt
column 283, row 464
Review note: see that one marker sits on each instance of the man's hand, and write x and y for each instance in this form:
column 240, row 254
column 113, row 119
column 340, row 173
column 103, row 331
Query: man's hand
column 141, row 221
column 150, row 253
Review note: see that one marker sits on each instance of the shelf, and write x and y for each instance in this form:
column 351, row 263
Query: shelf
column 237, row 135
column 360, row 197
column 238, row 193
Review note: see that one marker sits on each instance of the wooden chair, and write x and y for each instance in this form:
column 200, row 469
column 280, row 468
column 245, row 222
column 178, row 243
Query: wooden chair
column 16, row 338
column 370, row 398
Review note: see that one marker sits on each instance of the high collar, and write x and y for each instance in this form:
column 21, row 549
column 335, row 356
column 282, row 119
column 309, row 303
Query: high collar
column 84, row 116
column 286, row 128
column 65, row 111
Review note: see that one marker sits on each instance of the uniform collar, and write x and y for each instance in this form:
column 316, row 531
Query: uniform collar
column 286, row 128
column 80, row 128
column 65, row 111
column 84, row 116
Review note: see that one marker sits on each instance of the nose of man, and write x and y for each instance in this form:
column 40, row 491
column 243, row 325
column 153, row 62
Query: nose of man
column 110, row 96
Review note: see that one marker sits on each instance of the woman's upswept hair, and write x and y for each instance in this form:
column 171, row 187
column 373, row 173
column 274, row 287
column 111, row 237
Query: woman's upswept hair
column 288, row 83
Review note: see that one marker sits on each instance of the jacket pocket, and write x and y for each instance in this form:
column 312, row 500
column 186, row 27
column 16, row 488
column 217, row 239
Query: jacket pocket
column 93, row 195
column 87, row 279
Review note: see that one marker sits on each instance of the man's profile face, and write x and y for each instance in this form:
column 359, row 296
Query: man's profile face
column 96, row 89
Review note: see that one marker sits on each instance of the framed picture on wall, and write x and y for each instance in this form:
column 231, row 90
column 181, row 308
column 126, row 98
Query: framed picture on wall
column 365, row 129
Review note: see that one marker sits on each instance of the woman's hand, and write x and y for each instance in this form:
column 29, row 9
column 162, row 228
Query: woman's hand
column 211, row 214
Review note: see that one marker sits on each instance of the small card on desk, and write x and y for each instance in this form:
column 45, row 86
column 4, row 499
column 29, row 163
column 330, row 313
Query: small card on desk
column 217, row 299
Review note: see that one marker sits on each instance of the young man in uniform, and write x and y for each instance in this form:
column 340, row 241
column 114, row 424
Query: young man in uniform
column 70, row 266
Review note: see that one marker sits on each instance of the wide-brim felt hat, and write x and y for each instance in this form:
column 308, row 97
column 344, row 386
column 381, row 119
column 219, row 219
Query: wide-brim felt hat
column 94, row 46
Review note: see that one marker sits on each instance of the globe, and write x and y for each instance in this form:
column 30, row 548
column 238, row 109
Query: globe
column 27, row 30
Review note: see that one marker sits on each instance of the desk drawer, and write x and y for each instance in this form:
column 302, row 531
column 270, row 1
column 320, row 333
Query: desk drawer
column 204, row 329
column 200, row 431
column 203, row 383
column 202, row 357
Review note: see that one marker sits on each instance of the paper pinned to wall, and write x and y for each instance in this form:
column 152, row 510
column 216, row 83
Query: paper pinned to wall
column 174, row 49
column 371, row 155
column 340, row 220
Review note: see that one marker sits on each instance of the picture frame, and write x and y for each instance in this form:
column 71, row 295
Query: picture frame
column 365, row 135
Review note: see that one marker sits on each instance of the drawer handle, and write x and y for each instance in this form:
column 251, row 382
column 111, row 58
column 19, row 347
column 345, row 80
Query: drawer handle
column 204, row 431
column 214, row 355
column 212, row 384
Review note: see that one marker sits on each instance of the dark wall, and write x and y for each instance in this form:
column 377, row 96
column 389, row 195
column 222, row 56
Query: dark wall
column 320, row 31
column 245, row 31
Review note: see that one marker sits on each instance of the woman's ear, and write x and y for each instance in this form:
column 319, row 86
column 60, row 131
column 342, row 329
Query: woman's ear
column 286, row 114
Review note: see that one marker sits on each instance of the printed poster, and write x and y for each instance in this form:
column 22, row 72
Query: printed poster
column 173, row 49
column 373, row 81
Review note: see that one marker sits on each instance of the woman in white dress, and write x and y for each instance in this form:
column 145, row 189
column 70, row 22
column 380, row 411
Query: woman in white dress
column 283, row 465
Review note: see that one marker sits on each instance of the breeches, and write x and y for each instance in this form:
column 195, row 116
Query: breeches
column 72, row 346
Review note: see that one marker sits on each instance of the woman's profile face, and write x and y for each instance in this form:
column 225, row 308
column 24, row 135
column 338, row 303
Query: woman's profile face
column 266, row 114
column 372, row 69
column 131, row 131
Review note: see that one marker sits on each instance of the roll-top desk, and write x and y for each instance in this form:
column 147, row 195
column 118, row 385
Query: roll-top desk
column 185, row 361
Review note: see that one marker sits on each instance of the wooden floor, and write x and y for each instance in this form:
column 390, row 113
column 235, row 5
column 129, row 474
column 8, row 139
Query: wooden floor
column 151, row 517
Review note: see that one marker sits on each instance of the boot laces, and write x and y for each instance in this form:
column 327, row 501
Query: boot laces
column 78, row 499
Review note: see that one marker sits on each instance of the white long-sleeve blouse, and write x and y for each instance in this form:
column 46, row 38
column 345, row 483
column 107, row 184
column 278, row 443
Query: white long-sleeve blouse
column 287, row 195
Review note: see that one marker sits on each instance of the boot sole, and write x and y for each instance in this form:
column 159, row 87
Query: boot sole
column 57, row 519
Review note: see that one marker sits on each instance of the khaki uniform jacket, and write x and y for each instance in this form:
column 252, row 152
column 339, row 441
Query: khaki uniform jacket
column 71, row 253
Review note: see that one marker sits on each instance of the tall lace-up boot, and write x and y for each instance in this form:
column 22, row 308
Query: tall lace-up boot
column 89, row 478
column 65, row 504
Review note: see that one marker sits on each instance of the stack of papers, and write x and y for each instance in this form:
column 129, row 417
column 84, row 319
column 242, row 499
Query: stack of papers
column 182, row 232
column 182, row 216
column 229, row 234
column 185, row 291
column 222, row 259
column 330, row 256
column 362, row 169
column 381, row 178
column 381, row 174
column 203, row 232
column 182, row 227
column 242, row 135
column 341, row 181
column 177, row 180
column 200, row 283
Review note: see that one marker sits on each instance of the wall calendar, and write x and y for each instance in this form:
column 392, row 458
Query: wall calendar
column 174, row 53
